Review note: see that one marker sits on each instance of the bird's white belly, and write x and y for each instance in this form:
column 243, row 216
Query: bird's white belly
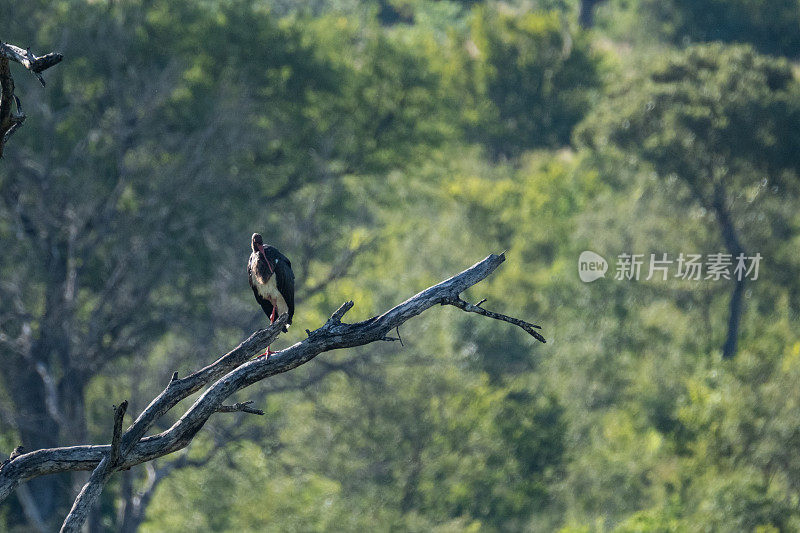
column 269, row 291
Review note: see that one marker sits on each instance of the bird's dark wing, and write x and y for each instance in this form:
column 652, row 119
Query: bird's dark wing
column 266, row 305
column 284, row 280
column 263, row 268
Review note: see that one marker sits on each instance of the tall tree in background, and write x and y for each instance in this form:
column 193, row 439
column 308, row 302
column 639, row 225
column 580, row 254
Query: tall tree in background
column 770, row 27
column 721, row 121
column 157, row 148
column 586, row 13
column 532, row 79
column 110, row 204
column 400, row 149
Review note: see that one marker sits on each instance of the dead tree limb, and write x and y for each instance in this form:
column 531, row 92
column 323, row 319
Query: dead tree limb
column 470, row 308
column 231, row 373
column 9, row 121
column 91, row 491
column 243, row 407
column 116, row 436
column 26, row 58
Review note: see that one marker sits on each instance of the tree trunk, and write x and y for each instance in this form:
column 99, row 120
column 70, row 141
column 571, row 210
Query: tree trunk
column 586, row 15
column 734, row 246
column 37, row 430
column 734, row 317
column 48, row 393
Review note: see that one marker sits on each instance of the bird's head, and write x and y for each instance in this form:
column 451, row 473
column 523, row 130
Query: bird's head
column 257, row 243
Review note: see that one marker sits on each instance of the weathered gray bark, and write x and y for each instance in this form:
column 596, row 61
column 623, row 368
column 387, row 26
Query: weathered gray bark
column 229, row 374
column 9, row 121
column 28, row 386
column 90, row 493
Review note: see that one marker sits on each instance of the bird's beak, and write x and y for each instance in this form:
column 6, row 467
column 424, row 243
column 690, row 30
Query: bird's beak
column 261, row 248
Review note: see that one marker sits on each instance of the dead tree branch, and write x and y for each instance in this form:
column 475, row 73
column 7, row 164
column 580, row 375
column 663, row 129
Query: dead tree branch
column 229, row 374
column 9, row 121
column 243, row 407
column 470, row 308
column 26, row 58
column 91, row 491
column 116, row 437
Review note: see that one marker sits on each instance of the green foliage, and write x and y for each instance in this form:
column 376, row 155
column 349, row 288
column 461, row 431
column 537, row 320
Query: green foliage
column 385, row 146
column 266, row 496
column 706, row 115
column 533, row 79
column 719, row 122
column 771, row 27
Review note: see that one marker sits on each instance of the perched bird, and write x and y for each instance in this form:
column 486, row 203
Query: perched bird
column 272, row 281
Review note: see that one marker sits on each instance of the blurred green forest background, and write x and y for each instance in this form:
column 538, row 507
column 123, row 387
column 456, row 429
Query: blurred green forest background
column 384, row 146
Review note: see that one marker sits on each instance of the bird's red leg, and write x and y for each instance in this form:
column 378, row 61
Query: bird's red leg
column 267, row 354
column 271, row 321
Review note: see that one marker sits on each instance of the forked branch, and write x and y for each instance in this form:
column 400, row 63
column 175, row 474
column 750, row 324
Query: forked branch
column 228, row 375
column 476, row 308
column 10, row 121
column 91, row 491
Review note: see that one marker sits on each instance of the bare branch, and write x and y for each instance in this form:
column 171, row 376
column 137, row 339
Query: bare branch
column 116, row 438
column 10, row 122
column 178, row 389
column 91, row 491
column 469, row 308
column 243, row 407
column 36, row 64
column 336, row 317
column 231, row 373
